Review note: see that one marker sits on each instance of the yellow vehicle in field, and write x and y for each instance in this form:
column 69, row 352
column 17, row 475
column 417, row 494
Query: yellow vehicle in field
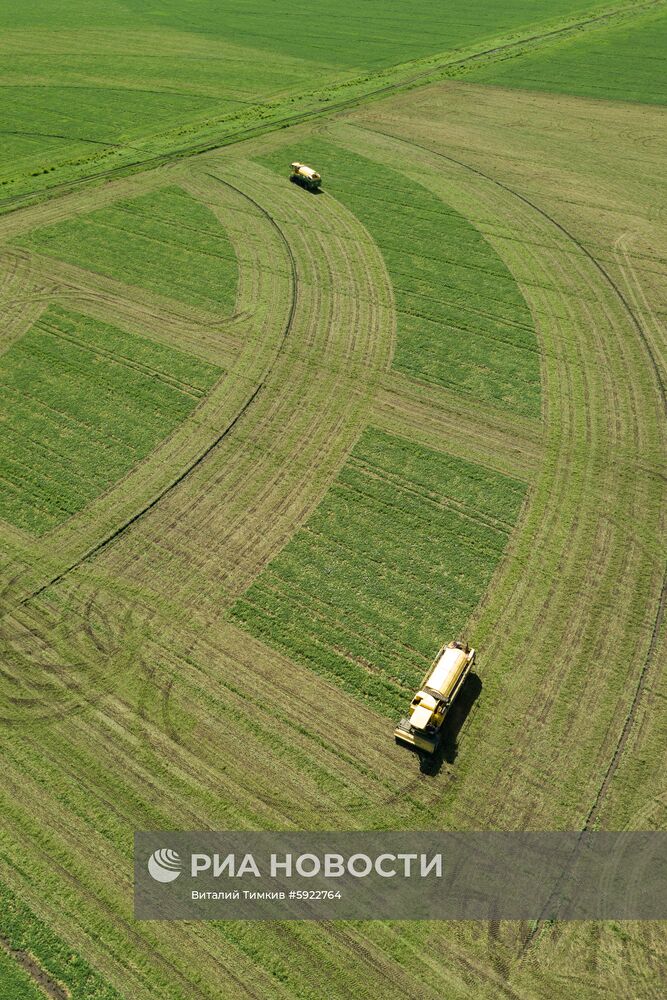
column 305, row 176
column 429, row 707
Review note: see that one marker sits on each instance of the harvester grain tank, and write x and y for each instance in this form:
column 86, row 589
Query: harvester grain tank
column 429, row 707
column 305, row 176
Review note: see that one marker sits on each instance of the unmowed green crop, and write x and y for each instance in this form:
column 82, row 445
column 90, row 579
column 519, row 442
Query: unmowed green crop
column 462, row 320
column 624, row 62
column 24, row 932
column 390, row 565
column 15, row 982
column 83, row 403
column 165, row 242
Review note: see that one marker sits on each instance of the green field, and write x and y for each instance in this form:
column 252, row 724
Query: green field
column 361, row 36
column 15, row 981
column 263, row 452
column 462, row 321
column 139, row 77
column 63, row 968
column 396, row 556
column 77, row 112
column 599, row 64
column 84, row 402
column 164, row 242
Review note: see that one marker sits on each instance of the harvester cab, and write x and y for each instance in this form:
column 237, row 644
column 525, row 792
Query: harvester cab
column 305, row 176
column 429, row 707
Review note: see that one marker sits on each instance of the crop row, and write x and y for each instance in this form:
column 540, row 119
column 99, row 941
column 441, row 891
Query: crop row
column 390, row 565
column 462, row 321
column 165, row 242
column 83, row 403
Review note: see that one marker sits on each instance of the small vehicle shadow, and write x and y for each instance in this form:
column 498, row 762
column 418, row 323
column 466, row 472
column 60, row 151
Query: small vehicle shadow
column 304, row 187
column 448, row 749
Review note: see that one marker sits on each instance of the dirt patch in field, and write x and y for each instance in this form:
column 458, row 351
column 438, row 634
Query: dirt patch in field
column 42, row 980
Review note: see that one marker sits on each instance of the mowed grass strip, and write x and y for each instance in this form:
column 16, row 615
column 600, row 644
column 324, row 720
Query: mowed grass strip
column 22, row 931
column 83, row 402
column 165, row 242
column 462, row 321
column 624, row 62
column 391, row 565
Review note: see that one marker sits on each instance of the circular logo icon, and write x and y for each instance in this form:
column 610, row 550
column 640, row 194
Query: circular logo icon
column 164, row 865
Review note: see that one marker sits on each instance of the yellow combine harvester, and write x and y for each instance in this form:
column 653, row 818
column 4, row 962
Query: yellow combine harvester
column 305, row 176
column 432, row 702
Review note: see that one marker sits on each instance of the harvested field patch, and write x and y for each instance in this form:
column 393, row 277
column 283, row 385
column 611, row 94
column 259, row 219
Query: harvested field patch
column 392, row 562
column 602, row 589
column 165, row 242
column 462, row 320
column 263, row 479
column 83, row 402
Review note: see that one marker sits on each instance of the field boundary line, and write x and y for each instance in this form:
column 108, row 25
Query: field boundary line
column 434, row 69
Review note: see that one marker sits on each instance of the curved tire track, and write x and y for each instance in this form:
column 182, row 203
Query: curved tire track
column 203, row 456
column 662, row 393
column 244, row 504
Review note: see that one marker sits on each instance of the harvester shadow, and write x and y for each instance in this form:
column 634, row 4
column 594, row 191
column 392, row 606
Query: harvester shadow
column 448, row 749
column 308, row 190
